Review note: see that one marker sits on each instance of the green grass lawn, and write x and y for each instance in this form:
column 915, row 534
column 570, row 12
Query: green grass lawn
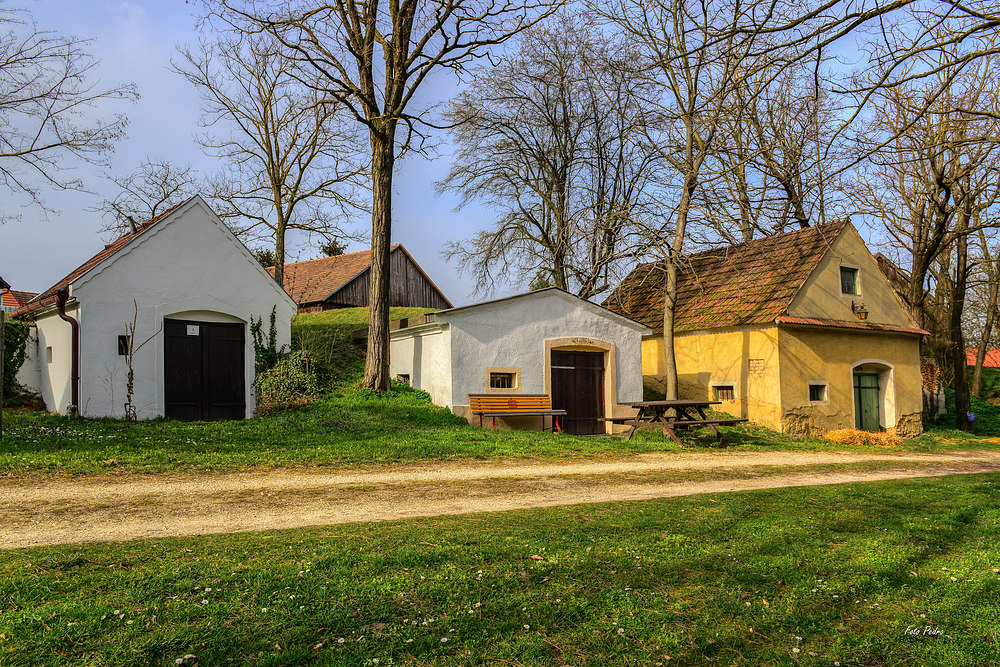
column 900, row 573
column 352, row 427
column 356, row 427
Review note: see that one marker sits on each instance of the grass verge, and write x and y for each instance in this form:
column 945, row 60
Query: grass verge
column 887, row 573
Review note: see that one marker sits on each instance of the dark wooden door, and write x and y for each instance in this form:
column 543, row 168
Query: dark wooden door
column 578, row 388
column 204, row 370
column 866, row 413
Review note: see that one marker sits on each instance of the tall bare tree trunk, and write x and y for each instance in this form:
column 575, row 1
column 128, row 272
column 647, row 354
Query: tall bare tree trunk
column 993, row 295
column 670, row 295
column 383, row 158
column 279, row 249
column 961, row 382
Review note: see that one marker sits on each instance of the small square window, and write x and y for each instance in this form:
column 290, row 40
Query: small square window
column 404, row 377
column 501, row 380
column 48, row 355
column 817, row 392
column 724, row 392
column 849, row 280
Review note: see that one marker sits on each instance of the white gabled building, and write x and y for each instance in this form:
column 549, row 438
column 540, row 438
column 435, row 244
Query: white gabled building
column 194, row 287
column 586, row 357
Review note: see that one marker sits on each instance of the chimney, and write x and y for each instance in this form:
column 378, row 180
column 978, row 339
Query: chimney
column 131, row 223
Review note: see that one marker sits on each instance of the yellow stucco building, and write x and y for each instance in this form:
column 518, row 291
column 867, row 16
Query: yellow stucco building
column 800, row 332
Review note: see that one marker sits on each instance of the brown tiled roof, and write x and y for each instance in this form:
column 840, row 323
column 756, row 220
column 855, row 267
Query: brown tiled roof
column 314, row 280
column 110, row 249
column 750, row 283
column 17, row 298
column 898, row 279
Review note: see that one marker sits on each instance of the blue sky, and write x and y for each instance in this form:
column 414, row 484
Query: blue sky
column 134, row 42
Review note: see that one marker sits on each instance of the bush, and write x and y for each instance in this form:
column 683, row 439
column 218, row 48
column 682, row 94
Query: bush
column 287, row 385
column 16, row 334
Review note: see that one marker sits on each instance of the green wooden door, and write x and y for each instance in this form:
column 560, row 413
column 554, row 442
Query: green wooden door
column 866, row 402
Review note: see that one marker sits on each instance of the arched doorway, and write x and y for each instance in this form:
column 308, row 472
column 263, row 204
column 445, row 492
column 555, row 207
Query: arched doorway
column 580, row 376
column 874, row 395
column 204, row 367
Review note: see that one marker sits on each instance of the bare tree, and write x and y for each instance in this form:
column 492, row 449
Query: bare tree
column 695, row 54
column 988, row 302
column 549, row 136
column 46, row 105
column 934, row 183
column 375, row 57
column 145, row 193
column 779, row 160
column 291, row 159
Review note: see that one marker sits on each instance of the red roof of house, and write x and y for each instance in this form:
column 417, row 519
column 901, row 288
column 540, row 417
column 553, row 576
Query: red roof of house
column 17, row 298
column 750, row 283
column 110, row 249
column 314, row 280
column 992, row 359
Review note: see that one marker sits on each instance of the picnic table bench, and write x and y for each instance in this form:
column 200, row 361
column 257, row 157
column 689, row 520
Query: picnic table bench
column 515, row 405
column 687, row 413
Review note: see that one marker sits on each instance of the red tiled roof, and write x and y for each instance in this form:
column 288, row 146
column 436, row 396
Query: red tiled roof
column 750, row 283
column 847, row 324
column 17, row 298
column 314, row 280
column 992, row 359
column 110, row 249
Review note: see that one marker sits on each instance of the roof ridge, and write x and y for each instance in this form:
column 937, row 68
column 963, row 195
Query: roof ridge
column 97, row 259
column 747, row 283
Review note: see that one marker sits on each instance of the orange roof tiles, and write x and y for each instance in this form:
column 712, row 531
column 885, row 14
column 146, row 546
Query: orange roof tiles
column 314, row 280
column 992, row 359
column 17, row 298
column 750, row 283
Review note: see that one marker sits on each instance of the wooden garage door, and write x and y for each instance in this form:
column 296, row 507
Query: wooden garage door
column 578, row 388
column 203, row 370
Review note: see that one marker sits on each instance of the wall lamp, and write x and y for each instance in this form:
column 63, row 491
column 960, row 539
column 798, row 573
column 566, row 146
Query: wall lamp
column 859, row 310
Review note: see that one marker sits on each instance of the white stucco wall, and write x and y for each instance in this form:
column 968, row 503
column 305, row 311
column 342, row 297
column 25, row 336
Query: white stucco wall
column 187, row 266
column 29, row 375
column 424, row 353
column 511, row 333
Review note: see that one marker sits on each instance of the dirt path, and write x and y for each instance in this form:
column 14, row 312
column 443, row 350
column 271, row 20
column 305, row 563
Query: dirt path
column 115, row 508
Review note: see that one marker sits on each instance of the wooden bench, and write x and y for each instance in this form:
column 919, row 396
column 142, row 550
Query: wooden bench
column 515, row 405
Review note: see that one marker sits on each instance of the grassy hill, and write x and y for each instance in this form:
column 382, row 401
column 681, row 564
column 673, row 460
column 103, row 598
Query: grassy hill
column 326, row 337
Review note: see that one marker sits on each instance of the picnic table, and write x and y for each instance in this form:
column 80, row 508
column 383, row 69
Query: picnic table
column 674, row 415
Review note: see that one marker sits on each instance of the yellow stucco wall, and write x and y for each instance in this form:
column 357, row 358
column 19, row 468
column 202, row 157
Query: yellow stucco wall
column 773, row 365
column 722, row 357
column 821, row 296
column 831, row 356
column 772, row 368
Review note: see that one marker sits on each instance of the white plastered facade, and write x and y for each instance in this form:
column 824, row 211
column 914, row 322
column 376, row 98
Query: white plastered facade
column 187, row 266
column 451, row 356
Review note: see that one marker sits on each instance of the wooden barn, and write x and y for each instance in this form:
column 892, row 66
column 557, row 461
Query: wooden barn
column 342, row 281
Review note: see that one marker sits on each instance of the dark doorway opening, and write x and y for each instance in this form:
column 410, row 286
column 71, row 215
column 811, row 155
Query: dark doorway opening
column 578, row 388
column 203, row 370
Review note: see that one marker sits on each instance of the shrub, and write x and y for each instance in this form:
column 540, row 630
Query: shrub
column 288, row 384
column 15, row 348
column 266, row 350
